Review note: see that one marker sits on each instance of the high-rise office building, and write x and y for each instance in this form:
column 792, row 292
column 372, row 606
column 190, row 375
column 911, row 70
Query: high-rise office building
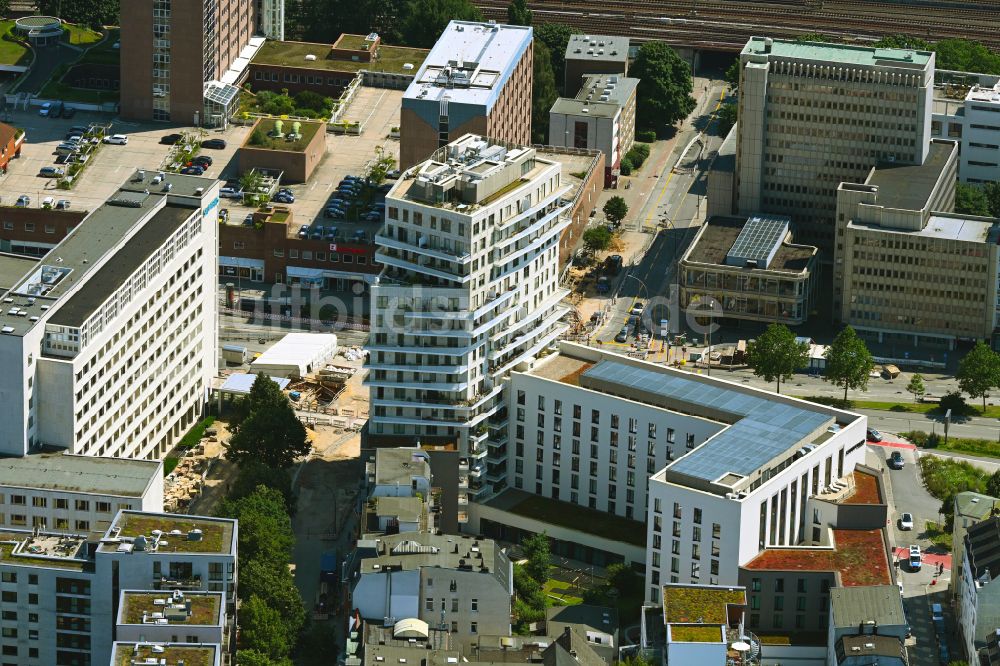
column 814, row 115
column 183, row 60
column 470, row 289
column 477, row 79
column 108, row 342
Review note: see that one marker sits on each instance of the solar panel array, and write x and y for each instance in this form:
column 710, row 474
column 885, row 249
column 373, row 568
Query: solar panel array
column 763, row 429
column 222, row 94
column 758, row 241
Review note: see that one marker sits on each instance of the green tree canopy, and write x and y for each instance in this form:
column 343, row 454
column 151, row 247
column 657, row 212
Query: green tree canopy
column 266, row 428
column 518, row 13
column 848, row 361
column 262, row 629
column 380, row 168
column 537, row 552
column 979, row 372
column 903, row 42
column 253, row 473
column 615, row 209
column 543, row 93
column 425, row 20
column 95, row 13
column 265, row 532
column 732, row 75
column 971, row 200
column 916, row 386
column 992, row 192
column 251, row 657
column 597, row 238
column 993, row 485
column 775, row 355
column 556, row 37
column 965, row 55
column 727, row 117
column 664, row 91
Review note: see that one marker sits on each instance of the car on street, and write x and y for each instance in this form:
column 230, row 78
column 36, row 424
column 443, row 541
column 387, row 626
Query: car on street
column 937, row 613
column 217, row 144
column 117, row 139
column 44, row 109
column 23, row 201
column 896, row 460
column 613, row 264
column 230, row 193
column 50, row 172
column 622, row 335
column 915, row 558
column 906, row 521
column 63, row 204
column 636, row 308
column 874, row 435
column 603, row 285
column 303, row 231
column 171, row 139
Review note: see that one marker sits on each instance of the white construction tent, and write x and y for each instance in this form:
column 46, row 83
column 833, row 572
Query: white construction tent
column 296, row 355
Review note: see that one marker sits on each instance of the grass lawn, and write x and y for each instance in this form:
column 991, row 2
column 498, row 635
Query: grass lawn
column 61, row 91
column 938, row 536
column 293, row 54
column 353, row 42
column 979, row 447
column 103, row 53
column 992, row 411
column 944, row 477
column 79, row 35
column 213, row 538
column 696, row 633
column 11, row 53
column 194, row 435
column 559, row 591
column 169, row 463
column 204, row 607
column 259, row 136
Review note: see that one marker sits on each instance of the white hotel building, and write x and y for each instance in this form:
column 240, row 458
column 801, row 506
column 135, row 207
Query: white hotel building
column 470, row 289
column 108, row 342
column 717, row 471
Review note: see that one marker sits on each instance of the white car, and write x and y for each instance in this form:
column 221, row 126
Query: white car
column 117, row 139
column 915, row 560
column 637, row 308
column 48, row 202
column 45, row 108
column 906, row 521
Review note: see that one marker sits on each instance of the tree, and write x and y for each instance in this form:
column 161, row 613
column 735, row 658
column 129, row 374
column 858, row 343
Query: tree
column 916, row 386
column 261, row 629
column 775, row 355
column 979, row 372
column 965, row 55
column 518, row 13
column 543, row 93
column 664, row 91
column 273, row 583
column 732, row 75
column 380, row 168
column 813, row 37
column 638, row 659
column 270, row 433
column 251, row 657
column 903, row 42
column 4, row 7
column 537, row 552
column 727, row 117
column 992, row 192
column 971, row 200
column 253, row 473
column 94, row 13
column 425, row 20
column 556, row 37
column 265, row 532
column 307, row 99
column 615, row 209
column 848, row 361
column 597, row 238
column 993, row 485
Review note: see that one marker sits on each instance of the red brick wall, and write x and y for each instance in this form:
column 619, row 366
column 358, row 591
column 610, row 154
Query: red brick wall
column 260, row 77
column 58, row 221
column 586, row 201
column 298, row 166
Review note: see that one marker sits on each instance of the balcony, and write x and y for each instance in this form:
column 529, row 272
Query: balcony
column 163, row 583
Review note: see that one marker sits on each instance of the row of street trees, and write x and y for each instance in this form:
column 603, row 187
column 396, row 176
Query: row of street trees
column 775, row 356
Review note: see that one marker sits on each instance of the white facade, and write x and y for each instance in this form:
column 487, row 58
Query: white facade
column 974, row 122
column 297, row 355
column 469, row 289
column 272, row 19
column 109, row 344
column 166, row 620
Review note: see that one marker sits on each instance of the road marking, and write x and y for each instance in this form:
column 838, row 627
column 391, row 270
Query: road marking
column 894, row 445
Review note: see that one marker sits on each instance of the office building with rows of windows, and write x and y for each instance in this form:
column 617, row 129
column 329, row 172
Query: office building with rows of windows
column 108, row 341
column 969, row 114
column 814, row 115
column 469, row 290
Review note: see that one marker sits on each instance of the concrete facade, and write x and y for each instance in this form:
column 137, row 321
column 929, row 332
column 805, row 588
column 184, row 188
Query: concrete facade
column 970, row 115
column 296, row 165
column 814, row 115
column 476, row 80
column 908, row 270
column 593, row 54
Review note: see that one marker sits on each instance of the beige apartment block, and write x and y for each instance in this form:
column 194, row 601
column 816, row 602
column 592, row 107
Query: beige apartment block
column 907, row 270
column 814, row 115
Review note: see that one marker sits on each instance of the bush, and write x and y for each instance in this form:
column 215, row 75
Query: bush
column 955, row 402
column 945, row 477
column 649, row 136
column 306, row 113
column 637, row 155
column 307, row 99
column 626, row 166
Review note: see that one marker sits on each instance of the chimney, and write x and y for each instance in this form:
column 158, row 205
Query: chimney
column 768, row 43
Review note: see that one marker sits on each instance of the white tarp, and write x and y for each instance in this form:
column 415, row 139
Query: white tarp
column 296, row 355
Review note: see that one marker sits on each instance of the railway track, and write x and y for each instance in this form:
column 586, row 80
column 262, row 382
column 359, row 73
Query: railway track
column 727, row 24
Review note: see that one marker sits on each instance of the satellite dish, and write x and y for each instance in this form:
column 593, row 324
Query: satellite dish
column 740, row 646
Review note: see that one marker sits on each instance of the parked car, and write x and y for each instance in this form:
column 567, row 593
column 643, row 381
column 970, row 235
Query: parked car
column 23, row 201
column 937, row 613
column 303, row 231
column 613, row 264
column 69, row 112
column 79, row 129
column 622, row 335
column 74, row 137
column 63, row 204
column 217, row 144
column 50, row 172
column 896, row 460
column 171, row 139
column 45, row 109
column 360, row 235
column 317, row 232
column 874, row 435
column 202, row 160
column 48, row 202
column 230, row 193
column 335, row 213
column 906, row 521
column 117, row 139
column 392, row 173
column 193, row 170
column 915, row 558
column 285, row 190
column 603, row 285
column 943, row 657
column 248, row 220
column 283, row 198
column 331, row 233
column 373, row 216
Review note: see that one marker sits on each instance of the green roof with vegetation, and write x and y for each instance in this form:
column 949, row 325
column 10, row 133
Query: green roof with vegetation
column 260, row 137
column 703, row 605
column 216, row 535
column 204, row 607
column 293, row 54
column 352, row 42
column 696, row 633
column 11, row 52
column 127, row 654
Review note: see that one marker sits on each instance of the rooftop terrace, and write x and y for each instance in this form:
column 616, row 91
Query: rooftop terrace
column 857, row 556
column 260, row 138
column 293, row 54
column 170, row 654
column 171, row 533
column 190, row 608
column 64, row 551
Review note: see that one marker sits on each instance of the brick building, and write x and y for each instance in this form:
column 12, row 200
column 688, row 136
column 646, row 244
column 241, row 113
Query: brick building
column 11, row 140
column 35, row 231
